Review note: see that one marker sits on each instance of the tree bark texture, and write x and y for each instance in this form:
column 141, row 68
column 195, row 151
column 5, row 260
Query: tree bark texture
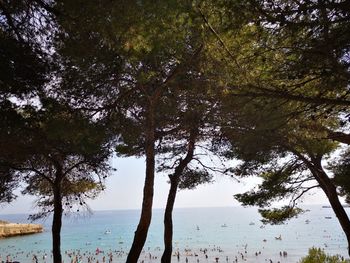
column 146, row 210
column 57, row 222
column 174, row 182
column 168, row 221
column 330, row 190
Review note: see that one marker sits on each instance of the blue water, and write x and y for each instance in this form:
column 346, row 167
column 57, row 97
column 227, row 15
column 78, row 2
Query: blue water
column 112, row 231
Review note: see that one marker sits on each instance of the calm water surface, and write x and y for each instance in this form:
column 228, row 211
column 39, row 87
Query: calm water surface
column 225, row 232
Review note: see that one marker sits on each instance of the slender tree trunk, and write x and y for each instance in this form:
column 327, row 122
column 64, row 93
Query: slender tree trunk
column 174, row 182
column 146, row 211
column 331, row 192
column 57, row 223
column 326, row 184
column 168, row 221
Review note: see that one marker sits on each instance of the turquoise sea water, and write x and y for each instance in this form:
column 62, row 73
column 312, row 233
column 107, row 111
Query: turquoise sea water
column 224, row 232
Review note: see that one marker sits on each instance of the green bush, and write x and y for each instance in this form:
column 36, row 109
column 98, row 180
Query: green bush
column 317, row 255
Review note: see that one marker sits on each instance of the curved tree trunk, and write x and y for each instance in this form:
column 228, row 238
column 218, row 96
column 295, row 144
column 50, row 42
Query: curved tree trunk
column 326, row 184
column 57, row 223
column 168, row 221
column 174, row 182
column 330, row 190
column 146, row 211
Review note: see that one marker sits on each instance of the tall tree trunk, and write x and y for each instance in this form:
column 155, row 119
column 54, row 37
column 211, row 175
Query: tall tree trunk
column 174, row 182
column 57, row 222
column 168, row 221
column 330, row 190
column 146, row 211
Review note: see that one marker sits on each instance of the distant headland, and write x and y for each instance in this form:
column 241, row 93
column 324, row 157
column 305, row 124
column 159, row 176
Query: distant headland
column 8, row 229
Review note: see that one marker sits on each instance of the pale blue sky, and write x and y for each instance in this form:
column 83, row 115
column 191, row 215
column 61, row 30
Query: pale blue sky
column 125, row 186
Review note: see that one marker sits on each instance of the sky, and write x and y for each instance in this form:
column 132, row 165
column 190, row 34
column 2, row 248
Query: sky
column 125, row 187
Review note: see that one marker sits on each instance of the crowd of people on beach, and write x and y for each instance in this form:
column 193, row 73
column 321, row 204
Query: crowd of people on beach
column 212, row 254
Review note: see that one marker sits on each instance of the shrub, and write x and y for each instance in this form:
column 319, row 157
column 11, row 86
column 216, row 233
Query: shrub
column 317, row 255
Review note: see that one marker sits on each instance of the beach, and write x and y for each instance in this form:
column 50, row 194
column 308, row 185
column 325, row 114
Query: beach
column 214, row 254
column 230, row 234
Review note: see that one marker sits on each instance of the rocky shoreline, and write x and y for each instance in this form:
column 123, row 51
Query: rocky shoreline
column 8, row 229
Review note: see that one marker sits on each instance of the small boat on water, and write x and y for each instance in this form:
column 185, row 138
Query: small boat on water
column 197, row 227
column 224, row 225
column 328, row 217
column 107, row 232
column 279, row 237
column 251, row 223
column 307, row 221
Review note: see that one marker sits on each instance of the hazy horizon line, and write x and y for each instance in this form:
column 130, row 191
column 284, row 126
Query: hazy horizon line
column 162, row 208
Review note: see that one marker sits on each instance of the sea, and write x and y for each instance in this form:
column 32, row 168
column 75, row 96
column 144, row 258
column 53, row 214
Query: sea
column 221, row 234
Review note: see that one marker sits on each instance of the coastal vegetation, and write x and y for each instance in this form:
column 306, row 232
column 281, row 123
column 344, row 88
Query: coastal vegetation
column 317, row 255
column 262, row 82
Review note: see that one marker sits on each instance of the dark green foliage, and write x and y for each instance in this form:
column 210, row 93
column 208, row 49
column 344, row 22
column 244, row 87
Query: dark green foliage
column 13, row 137
column 80, row 135
column 41, row 141
column 68, row 161
column 317, row 255
column 274, row 144
column 279, row 182
column 75, row 191
column 279, row 215
column 191, row 178
column 133, row 62
column 23, row 72
column 8, row 183
column 255, row 79
column 116, row 56
column 314, row 37
column 341, row 171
